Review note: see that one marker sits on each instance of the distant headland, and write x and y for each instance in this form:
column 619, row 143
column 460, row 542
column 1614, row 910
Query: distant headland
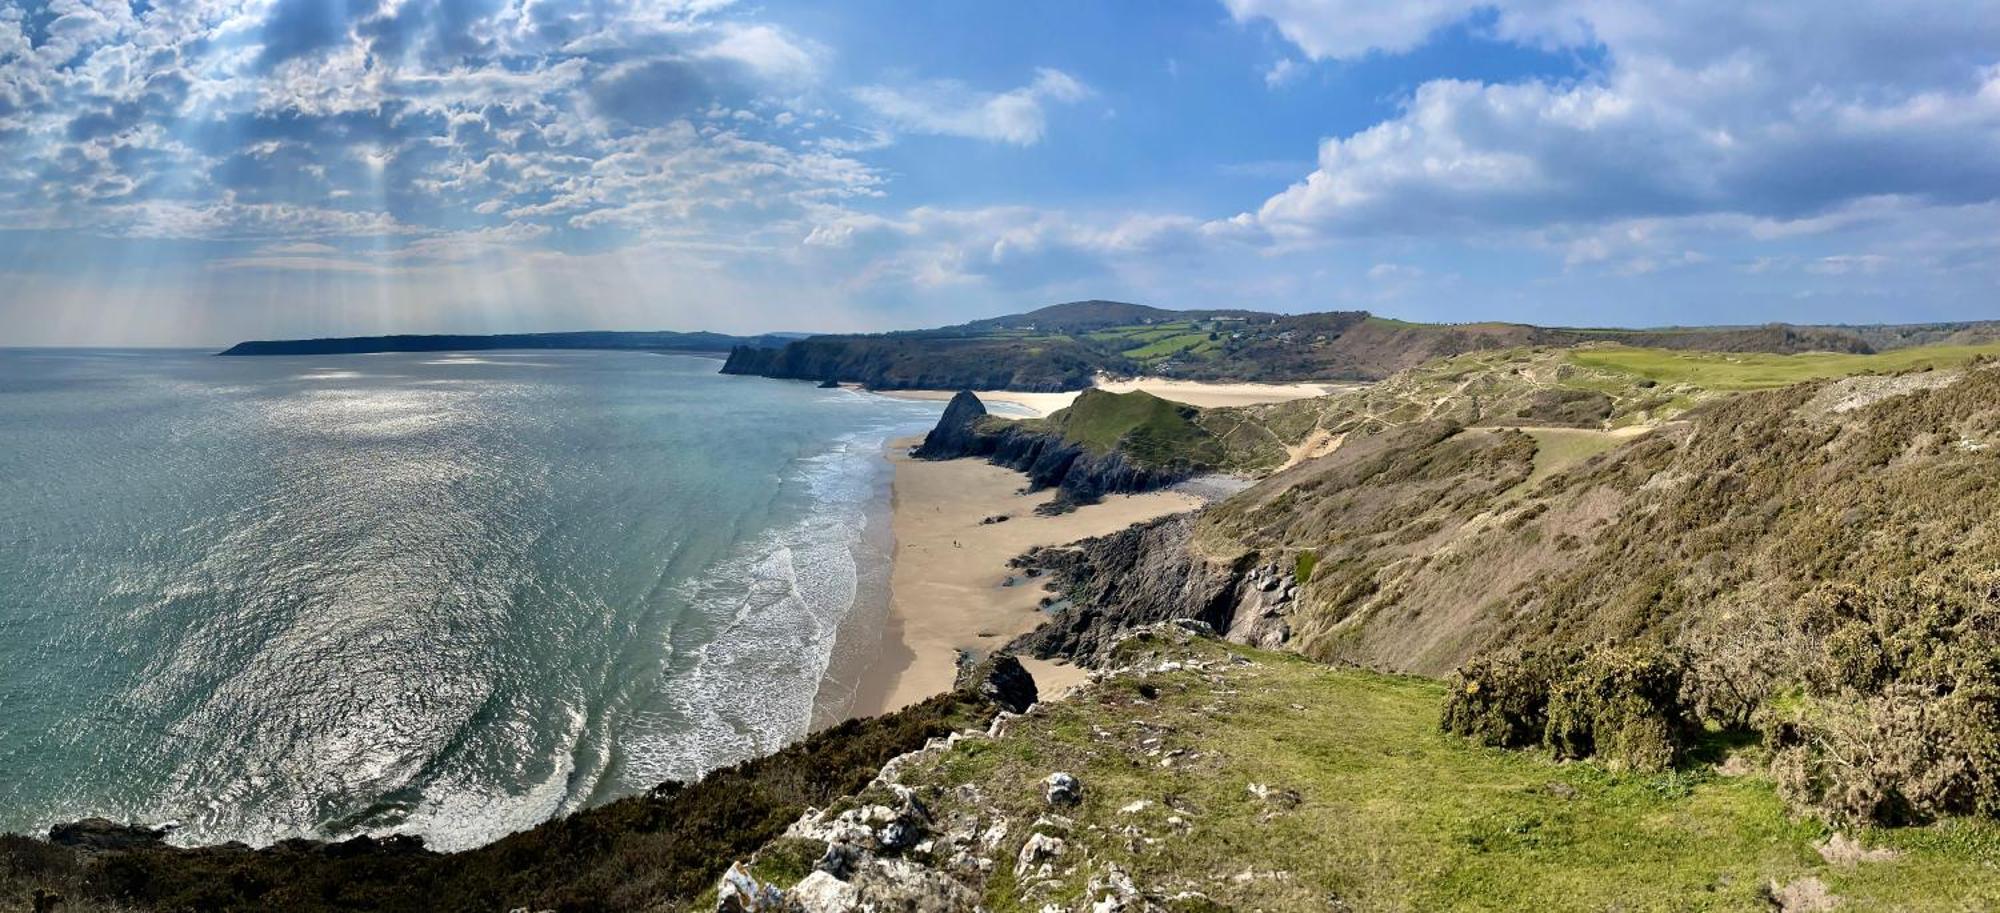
column 634, row 341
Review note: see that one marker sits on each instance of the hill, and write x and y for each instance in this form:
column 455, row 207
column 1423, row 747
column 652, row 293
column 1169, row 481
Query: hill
column 1814, row 560
column 642, row 341
column 1104, row 443
column 1064, row 346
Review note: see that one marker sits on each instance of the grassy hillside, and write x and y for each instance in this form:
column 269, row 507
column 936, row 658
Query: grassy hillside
column 1224, row 778
column 1062, row 346
column 1157, row 433
column 1758, row 371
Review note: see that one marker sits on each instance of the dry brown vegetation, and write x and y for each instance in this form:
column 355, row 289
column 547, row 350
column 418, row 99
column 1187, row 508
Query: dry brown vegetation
column 1828, row 575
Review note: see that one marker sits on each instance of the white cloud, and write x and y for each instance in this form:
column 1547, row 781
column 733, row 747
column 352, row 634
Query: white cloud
column 1778, row 113
column 766, row 50
column 1283, row 73
column 952, row 109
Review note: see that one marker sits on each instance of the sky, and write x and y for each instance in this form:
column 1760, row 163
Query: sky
column 194, row 172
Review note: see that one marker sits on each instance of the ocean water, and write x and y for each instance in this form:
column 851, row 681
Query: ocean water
column 449, row 595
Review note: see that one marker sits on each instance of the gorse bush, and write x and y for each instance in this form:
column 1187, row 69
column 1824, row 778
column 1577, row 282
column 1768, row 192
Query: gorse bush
column 1501, row 699
column 1621, row 704
column 1896, row 717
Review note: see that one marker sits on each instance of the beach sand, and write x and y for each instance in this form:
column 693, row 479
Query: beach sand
column 1194, row 393
column 947, row 589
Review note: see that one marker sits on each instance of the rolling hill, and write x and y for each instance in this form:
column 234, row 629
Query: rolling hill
column 1064, row 346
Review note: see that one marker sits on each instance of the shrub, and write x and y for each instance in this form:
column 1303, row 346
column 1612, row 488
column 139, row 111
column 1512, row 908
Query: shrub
column 1623, row 705
column 1500, row 699
column 1897, row 717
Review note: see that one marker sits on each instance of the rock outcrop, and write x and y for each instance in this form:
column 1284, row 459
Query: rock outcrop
column 1000, row 678
column 1080, row 475
column 954, row 435
column 105, row 834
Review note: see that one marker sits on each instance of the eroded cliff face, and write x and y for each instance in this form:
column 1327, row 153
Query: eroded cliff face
column 1152, row 573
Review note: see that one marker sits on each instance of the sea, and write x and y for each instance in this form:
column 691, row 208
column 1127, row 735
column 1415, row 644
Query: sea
column 449, row 595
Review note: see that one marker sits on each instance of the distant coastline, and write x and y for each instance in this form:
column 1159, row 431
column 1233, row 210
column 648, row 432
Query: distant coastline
column 700, row 342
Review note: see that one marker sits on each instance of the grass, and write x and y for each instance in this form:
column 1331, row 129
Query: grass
column 1394, row 815
column 1151, row 430
column 1176, row 344
column 1757, row 371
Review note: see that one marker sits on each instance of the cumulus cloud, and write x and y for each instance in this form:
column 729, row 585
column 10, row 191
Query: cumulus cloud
column 951, row 108
column 1783, row 112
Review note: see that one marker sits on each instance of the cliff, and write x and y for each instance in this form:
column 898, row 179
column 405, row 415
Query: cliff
column 911, row 362
column 642, row 341
column 1104, row 443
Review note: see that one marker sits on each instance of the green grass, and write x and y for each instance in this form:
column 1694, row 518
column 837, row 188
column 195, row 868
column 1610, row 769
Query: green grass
column 1140, row 333
column 1151, row 430
column 1176, row 344
column 1395, row 815
column 1756, row 371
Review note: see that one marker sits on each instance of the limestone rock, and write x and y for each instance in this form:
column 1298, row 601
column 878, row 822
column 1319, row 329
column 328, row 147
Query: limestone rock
column 1062, row 789
column 1001, row 679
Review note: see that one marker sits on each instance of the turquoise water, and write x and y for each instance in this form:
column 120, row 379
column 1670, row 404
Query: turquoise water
column 449, row 595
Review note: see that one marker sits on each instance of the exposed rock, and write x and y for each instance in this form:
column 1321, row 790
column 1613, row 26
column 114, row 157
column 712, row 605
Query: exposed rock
column 1062, row 789
column 821, row 892
column 741, row 892
column 101, row 834
column 954, row 436
column 1001, row 679
column 1080, row 475
column 1039, row 849
column 1144, row 574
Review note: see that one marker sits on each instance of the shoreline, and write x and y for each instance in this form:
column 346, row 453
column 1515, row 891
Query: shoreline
column 1191, row 392
column 950, row 588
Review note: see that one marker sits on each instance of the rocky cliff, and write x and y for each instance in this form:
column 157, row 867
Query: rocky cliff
column 896, row 362
column 1048, row 456
column 1151, row 573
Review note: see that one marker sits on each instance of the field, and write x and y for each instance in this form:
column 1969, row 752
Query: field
column 1365, row 805
column 1731, row 371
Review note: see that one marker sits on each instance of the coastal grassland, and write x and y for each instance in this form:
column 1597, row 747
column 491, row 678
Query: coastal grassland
column 1264, row 781
column 1734, row 371
column 1149, row 430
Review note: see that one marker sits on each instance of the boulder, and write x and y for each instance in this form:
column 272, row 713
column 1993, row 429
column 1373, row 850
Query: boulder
column 741, row 892
column 820, row 892
column 1062, row 789
column 1039, row 849
column 1001, row 679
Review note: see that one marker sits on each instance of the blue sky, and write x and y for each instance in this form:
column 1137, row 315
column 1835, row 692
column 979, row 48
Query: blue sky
column 197, row 172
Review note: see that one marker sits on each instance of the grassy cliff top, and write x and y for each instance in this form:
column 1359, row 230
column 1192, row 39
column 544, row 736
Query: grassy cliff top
column 1730, row 371
column 1226, row 778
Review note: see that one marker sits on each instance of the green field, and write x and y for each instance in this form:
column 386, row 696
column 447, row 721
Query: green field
column 1756, row 371
column 1381, row 811
column 1176, row 344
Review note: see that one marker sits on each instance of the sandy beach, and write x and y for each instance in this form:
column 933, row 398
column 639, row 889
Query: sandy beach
column 948, row 586
column 1194, row 393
